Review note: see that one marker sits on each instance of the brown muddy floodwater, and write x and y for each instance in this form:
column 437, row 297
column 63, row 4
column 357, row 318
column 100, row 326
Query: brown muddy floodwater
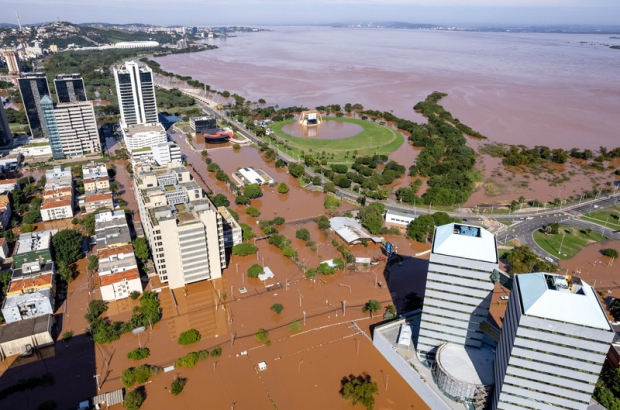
column 554, row 89
column 328, row 130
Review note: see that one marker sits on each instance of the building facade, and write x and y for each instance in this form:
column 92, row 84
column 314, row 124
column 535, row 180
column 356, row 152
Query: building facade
column 50, row 127
column 70, row 88
column 12, row 62
column 33, row 87
column 233, row 235
column 6, row 136
column 136, row 94
column 458, row 287
column 5, row 212
column 98, row 200
column 77, row 128
column 184, row 229
column 118, row 273
column 31, row 292
column 58, row 194
column 555, row 337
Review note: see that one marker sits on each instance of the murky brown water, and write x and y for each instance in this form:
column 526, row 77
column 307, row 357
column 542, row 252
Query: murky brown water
column 514, row 88
column 328, row 130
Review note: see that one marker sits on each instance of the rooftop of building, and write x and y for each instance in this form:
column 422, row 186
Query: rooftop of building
column 25, row 328
column 465, row 241
column 118, row 263
column 110, row 218
column 401, row 214
column 201, row 118
column 467, row 365
column 34, row 241
column 130, row 274
column 41, row 281
column 51, row 203
column 32, row 269
column 144, row 128
column 21, row 298
column 561, row 298
column 98, row 196
column 72, row 76
column 119, row 250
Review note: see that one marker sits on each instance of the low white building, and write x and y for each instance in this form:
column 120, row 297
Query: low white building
column 142, row 136
column 399, row 218
column 58, row 208
column 26, row 335
column 136, row 44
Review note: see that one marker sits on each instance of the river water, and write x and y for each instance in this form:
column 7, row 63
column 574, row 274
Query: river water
column 560, row 90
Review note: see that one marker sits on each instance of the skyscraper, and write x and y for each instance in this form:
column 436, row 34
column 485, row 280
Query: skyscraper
column 33, row 87
column 458, row 287
column 555, row 337
column 70, row 88
column 5, row 132
column 136, row 94
column 77, row 127
column 50, row 126
column 12, row 61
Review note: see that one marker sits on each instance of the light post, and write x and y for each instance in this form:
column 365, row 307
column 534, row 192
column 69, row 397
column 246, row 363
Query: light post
column 561, row 243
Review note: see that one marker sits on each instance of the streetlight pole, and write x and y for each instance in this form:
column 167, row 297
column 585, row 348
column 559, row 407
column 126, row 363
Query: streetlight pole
column 562, row 243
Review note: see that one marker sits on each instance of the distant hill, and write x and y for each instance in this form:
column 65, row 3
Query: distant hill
column 109, row 25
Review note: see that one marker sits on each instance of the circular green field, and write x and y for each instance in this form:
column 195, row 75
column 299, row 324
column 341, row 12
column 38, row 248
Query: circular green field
column 374, row 139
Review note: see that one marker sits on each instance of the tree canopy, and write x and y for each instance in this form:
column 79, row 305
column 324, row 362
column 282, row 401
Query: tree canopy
column 371, row 217
column 359, row 389
column 67, row 246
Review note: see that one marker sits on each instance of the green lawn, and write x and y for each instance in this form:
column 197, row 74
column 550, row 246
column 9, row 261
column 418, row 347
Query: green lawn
column 609, row 215
column 574, row 240
column 374, row 139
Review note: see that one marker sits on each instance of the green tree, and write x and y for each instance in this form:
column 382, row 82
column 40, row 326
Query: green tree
column 252, row 191
column 242, row 200
column 261, row 335
column 220, row 200
column 32, row 216
column 283, row 188
column 141, row 249
column 177, row 385
column 322, row 222
column 88, row 223
column 372, row 306
column 277, row 307
column 252, row 211
column 359, row 389
column 303, row 234
column 65, row 272
column 390, row 312
column 296, row 170
column 133, row 399
column 139, row 353
column 255, row 270
column 93, row 262
column 244, row 249
column 247, row 231
column 612, row 253
column 189, row 337
column 331, row 203
column 67, row 246
column 371, row 217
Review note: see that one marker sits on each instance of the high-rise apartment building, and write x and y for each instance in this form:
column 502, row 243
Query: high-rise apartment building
column 50, row 126
column 555, row 337
column 458, row 287
column 6, row 136
column 33, row 87
column 136, row 94
column 184, row 229
column 70, row 88
column 12, row 61
column 77, row 126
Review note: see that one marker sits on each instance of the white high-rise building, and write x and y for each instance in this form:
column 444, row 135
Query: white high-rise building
column 77, row 126
column 136, row 94
column 184, row 229
column 555, row 337
column 458, row 287
column 12, row 61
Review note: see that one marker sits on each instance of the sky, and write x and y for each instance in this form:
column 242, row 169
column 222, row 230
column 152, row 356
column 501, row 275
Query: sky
column 282, row 12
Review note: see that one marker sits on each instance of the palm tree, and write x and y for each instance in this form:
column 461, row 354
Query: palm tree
column 372, row 306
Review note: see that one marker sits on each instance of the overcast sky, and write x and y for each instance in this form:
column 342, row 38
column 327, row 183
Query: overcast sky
column 255, row 12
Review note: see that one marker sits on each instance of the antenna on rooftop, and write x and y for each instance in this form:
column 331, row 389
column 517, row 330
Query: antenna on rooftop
column 18, row 22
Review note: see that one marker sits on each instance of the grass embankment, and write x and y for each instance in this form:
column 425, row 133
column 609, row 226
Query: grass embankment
column 609, row 216
column 374, row 139
column 574, row 239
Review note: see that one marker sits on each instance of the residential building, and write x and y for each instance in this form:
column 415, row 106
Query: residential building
column 31, row 292
column 7, row 185
column 33, row 87
column 111, row 229
column 138, row 137
column 33, row 247
column 4, row 249
column 77, row 128
column 98, row 200
column 458, row 287
column 184, row 229
column 6, row 136
column 70, row 88
column 554, row 340
column 10, row 161
column 58, row 194
column 233, row 234
column 50, row 127
column 136, row 94
column 25, row 336
column 5, row 212
column 12, row 61
column 95, row 177
column 118, row 273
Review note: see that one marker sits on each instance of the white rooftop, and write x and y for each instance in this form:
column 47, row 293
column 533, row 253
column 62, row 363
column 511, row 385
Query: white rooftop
column 267, row 274
column 465, row 241
column 34, row 241
column 252, row 176
column 467, row 364
column 549, row 296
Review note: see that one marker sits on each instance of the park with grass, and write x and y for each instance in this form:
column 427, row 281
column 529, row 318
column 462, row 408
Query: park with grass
column 374, row 139
column 609, row 217
column 567, row 241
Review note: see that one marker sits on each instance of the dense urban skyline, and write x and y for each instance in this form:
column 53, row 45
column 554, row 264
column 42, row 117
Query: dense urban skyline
column 451, row 12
